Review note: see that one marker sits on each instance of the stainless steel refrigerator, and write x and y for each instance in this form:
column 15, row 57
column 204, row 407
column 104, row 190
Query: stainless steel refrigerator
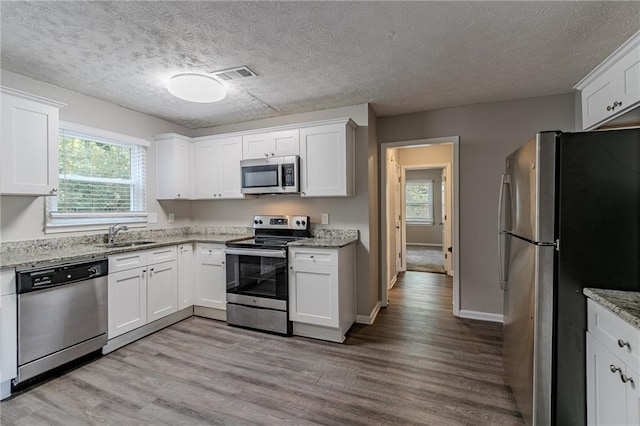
column 569, row 218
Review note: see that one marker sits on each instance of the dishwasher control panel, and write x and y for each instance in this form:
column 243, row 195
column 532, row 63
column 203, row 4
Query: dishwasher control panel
column 39, row 278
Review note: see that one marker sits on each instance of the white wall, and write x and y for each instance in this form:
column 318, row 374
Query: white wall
column 22, row 218
column 488, row 132
column 346, row 213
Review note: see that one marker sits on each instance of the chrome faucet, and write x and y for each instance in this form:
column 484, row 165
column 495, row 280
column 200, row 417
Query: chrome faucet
column 113, row 231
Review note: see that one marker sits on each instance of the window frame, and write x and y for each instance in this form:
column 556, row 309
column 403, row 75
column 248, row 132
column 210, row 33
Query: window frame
column 56, row 222
column 429, row 203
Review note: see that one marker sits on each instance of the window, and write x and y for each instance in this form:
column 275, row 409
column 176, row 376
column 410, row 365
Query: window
column 102, row 179
column 419, row 201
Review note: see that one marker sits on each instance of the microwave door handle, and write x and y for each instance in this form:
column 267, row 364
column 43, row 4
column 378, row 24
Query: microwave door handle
column 280, row 172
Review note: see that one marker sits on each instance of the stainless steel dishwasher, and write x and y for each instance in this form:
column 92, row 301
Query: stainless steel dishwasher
column 62, row 314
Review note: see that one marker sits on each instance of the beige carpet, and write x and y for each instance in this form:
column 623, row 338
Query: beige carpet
column 425, row 259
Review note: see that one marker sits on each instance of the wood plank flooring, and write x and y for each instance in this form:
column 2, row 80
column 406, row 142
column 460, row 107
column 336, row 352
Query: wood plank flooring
column 416, row 365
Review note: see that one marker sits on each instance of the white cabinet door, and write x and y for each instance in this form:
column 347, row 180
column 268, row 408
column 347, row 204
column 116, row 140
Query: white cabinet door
column 285, row 142
column 173, row 168
column 606, row 393
column 8, row 337
column 217, row 168
column 326, row 161
column 127, row 301
column 186, row 278
column 29, row 145
column 211, row 288
column 256, row 146
column 313, row 295
column 271, row 144
column 205, row 163
column 162, row 290
column 627, row 72
column 633, row 396
column 229, row 177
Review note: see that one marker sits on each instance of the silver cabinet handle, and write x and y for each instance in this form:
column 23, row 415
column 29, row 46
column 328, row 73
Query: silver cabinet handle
column 615, row 369
column 626, row 379
column 54, row 190
column 622, row 344
column 614, row 106
column 311, row 256
column 266, row 154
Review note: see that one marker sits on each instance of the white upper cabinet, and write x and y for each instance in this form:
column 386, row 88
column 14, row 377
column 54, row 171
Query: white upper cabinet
column 29, row 144
column 327, row 159
column 173, row 164
column 217, row 168
column 613, row 87
column 271, row 144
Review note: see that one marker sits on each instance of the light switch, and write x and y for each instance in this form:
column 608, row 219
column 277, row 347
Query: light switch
column 325, row 218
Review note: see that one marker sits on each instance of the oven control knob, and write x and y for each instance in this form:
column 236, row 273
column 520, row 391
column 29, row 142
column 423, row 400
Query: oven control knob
column 304, row 223
column 298, row 222
column 255, row 221
column 260, row 221
column 92, row 271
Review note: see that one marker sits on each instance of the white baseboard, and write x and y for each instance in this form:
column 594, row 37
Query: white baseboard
column 392, row 282
column 483, row 316
column 369, row 319
column 424, row 244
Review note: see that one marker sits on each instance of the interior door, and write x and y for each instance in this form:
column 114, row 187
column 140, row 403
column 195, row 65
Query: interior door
column 446, row 243
column 400, row 252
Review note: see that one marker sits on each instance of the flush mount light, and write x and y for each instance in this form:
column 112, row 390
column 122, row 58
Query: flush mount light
column 196, row 88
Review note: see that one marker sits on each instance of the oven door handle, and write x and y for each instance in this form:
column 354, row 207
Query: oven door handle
column 258, row 253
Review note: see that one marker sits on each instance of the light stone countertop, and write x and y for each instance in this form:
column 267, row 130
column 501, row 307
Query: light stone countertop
column 24, row 258
column 333, row 242
column 36, row 252
column 625, row 304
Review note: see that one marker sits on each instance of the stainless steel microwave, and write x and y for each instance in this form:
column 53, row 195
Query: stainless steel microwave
column 273, row 175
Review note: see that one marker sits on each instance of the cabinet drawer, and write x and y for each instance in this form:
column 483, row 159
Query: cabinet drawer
column 304, row 256
column 129, row 260
column 206, row 250
column 162, row 254
column 617, row 335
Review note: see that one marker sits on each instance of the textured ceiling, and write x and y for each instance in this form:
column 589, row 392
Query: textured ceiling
column 399, row 56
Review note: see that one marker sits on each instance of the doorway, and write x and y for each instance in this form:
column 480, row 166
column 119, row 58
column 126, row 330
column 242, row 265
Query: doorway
column 396, row 160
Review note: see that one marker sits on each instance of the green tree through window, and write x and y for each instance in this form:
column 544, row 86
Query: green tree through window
column 419, row 201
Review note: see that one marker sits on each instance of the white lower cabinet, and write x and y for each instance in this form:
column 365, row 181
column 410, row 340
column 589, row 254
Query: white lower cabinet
column 143, row 287
column 211, row 288
column 322, row 299
column 8, row 331
column 613, row 377
column 186, row 278
column 162, row 290
column 127, row 301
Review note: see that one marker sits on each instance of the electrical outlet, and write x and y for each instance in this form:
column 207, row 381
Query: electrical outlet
column 172, row 217
column 325, row 218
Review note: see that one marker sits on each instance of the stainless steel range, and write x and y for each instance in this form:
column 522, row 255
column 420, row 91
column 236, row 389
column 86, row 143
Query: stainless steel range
column 257, row 274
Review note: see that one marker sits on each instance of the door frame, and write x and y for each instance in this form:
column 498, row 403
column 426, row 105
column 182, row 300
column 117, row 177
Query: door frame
column 455, row 205
column 430, row 166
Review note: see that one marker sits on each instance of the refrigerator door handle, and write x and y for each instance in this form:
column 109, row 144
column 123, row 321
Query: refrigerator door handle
column 502, row 262
column 505, row 182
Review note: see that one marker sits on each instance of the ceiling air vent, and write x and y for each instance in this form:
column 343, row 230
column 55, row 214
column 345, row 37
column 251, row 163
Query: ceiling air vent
column 235, row 73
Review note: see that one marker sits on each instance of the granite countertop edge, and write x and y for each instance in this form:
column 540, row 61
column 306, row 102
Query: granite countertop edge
column 87, row 251
column 625, row 304
column 9, row 260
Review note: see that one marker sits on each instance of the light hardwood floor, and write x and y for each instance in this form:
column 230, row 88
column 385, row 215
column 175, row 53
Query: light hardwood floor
column 416, row 365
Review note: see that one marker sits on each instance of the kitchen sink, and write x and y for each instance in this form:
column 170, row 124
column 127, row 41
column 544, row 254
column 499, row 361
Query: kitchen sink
column 128, row 244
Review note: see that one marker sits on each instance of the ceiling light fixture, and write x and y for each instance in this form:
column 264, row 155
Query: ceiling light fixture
column 196, row 88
